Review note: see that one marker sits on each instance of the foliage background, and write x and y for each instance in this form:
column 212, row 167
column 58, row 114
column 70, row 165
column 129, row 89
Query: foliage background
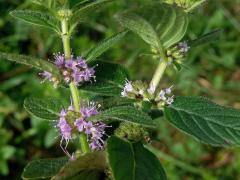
column 212, row 70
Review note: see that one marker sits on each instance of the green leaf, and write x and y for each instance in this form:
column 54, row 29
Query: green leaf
column 139, row 26
column 31, row 61
column 124, row 113
column 92, row 161
column 206, row 38
column 110, row 79
column 81, row 14
column 132, row 161
column 37, row 18
column 44, row 108
column 157, row 23
column 103, row 46
column 208, row 122
column 43, row 168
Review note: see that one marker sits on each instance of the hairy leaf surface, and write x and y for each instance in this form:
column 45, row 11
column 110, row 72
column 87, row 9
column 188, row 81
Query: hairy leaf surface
column 37, row 18
column 44, row 108
column 43, row 168
column 208, row 122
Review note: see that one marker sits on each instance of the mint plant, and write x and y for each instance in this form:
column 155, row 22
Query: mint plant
column 112, row 127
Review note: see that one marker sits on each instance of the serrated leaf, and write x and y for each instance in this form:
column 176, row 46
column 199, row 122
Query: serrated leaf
column 208, row 122
column 31, row 61
column 110, row 79
column 206, row 38
column 44, row 108
column 81, row 14
column 92, row 161
column 132, row 161
column 37, row 18
column 124, row 113
column 43, row 168
column 103, row 46
column 156, row 23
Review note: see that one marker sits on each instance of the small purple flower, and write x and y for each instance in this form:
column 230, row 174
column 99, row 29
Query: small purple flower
column 127, row 88
column 73, row 70
column 64, row 128
column 59, row 60
column 88, row 127
column 89, row 111
column 80, row 124
column 81, row 63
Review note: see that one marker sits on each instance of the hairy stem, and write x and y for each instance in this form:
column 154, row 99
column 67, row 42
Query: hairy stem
column 73, row 88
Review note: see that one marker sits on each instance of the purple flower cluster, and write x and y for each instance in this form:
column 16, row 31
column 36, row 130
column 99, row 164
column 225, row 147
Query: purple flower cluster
column 72, row 70
column 68, row 125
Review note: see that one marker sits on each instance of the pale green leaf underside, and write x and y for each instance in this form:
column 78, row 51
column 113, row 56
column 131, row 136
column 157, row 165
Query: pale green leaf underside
column 208, row 122
column 31, row 61
column 43, row 168
column 157, row 22
column 103, row 46
column 37, row 18
column 44, row 108
column 124, row 113
column 132, row 161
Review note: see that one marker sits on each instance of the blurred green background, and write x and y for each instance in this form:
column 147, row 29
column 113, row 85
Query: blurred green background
column 212, row 70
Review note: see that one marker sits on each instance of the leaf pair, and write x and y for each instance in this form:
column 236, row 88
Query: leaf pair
column 159, row 25
column 51, row 20
column 50, row 108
